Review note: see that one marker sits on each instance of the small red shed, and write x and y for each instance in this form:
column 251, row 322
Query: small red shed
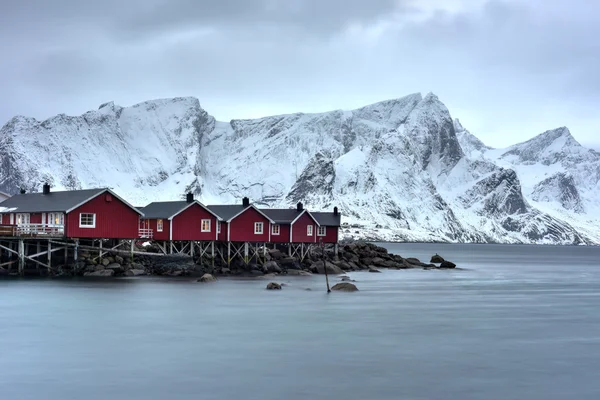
column 329, row 225
column 293, row 225
column 90, row 214
column 179, row 221
column 243, row 223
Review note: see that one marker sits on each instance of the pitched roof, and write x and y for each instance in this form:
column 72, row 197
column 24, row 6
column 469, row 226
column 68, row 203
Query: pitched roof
column 169, row 209
column 228, row 212
column 163, row 209
column 54, row 201
column 281, row 215
column 327, row 218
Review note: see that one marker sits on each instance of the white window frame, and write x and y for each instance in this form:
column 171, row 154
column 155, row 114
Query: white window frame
column 319, row 230
column 93, row 225
column 309, row 230
column 160, row 225
column 218, row 226
column 1, row 217
column 260, row 225
column 207, row 221
column 25, row 219
column 275, row 229
column 52, row 217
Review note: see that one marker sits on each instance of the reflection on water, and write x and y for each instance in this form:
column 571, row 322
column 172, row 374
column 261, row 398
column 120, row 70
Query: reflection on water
column 518, row 322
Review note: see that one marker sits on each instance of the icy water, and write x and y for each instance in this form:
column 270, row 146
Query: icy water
column 519, row 322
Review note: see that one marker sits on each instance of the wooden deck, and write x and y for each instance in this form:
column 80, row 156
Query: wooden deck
column 32, row 230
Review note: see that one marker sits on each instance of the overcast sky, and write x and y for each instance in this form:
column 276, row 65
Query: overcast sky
column 507, row 69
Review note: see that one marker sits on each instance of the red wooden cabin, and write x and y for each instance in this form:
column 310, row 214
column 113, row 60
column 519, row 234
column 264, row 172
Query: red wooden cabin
column 243, row 223
column 91, row 213
column 294, row 225
column 179, row 221
column 329, row 225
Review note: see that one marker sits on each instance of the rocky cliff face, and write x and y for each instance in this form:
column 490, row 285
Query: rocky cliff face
column 400, row 169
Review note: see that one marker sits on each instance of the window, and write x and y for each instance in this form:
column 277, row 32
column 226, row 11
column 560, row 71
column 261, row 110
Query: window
column 205, row 225
column 218, row 227
column 22, row 219
column 321, row 231
column 159, row 225
column 0, row 218
column 309, row 230
column 56, row 219
column 87, row 220
column 275, row 229
column 258, row 228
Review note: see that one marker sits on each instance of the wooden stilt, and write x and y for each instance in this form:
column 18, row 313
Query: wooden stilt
column 49, row 255
column 192, row 248
column 100, row 253
column 228, row 254
column 132, row 249
column 212, row 254
column 21, row 257
column 170, row 247
column 246, row 253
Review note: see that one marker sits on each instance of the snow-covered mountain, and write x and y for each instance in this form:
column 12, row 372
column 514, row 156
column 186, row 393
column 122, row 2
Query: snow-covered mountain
column 400, row 169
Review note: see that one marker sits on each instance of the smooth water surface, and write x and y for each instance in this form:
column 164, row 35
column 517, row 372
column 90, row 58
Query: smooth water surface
column 518, row 322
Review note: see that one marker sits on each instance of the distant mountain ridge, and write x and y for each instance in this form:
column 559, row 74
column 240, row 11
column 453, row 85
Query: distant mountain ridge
column 401, row 169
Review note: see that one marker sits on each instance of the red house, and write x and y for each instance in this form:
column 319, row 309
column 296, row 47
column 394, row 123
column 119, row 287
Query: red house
column 243, row 223
column 292, row 225
column 91, row 213
column 179, row 221
column 329, row 226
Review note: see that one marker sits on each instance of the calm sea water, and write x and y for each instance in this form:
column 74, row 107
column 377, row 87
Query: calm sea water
column 519, row 322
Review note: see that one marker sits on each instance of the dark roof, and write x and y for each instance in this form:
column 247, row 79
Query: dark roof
column 55, row 201
column 226, row 211
column 281, row 215
column 327, row 218
column 163, row 209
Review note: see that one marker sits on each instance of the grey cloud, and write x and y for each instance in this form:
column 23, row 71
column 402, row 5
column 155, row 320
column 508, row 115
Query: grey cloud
column 509, row 72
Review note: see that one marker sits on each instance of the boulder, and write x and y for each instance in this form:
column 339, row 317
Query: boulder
column 345, row 287
column 317, row 267
column 378, row 261
column 347, row 279
column 289, row 263
column 119, row 260
column 275, row 254
column 135, row 272
column 298, row 272
column 373, row 269
column 392, row 264
column 272, row 266
column 225, row 271
column 273, row 286
column 448, row 265
column 105, row 261
column 114, row 266
column 103, row 273
column 343, row 265
column 207, row 278
column 437, row 259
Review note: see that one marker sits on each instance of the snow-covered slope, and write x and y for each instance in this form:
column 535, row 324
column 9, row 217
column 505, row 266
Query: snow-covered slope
column 400, row 169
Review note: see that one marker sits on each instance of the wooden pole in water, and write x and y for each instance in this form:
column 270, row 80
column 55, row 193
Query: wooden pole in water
column 325, row 266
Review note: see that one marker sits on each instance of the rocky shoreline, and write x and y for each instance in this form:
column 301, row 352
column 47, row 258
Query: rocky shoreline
column 356, row 256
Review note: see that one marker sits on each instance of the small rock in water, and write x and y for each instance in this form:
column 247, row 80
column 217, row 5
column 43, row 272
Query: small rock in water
column 437, row 259
column 207, row 278
column 448, row 264
column 345, row 287
column 273, row 286
column 373, row 269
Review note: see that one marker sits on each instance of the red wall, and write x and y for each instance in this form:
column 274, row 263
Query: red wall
column 35, row 218
column 242, row 227
column 299, row 230
column 223, row 234
column 156, row 235
column 331, row 234
column 114, row 220
column 188, row 224
column 284, row 234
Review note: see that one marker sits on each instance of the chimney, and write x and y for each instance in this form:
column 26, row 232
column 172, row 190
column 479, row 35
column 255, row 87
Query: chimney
column 335, row 211
column 300, row 207
column 22, row 191
column 46, row 188
column 189, row 197
column 246, row 202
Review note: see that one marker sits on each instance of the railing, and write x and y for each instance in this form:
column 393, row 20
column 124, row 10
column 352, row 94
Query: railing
column 146, row 233
column 32, row 230
column 40, row 230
